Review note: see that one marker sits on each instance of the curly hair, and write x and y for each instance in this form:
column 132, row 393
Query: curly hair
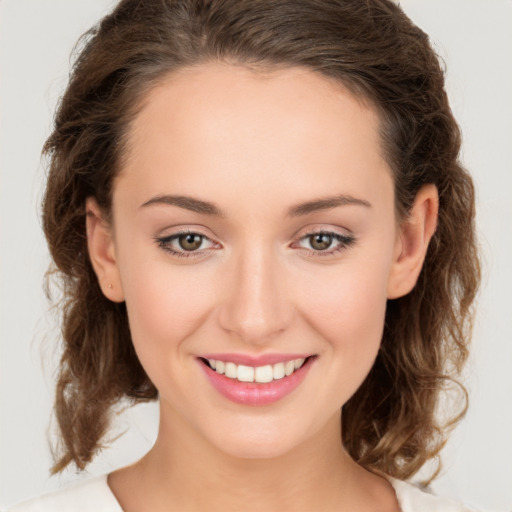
column 391, row 424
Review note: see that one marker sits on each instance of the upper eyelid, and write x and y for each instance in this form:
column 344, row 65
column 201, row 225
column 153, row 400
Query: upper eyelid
column 196, row 229
column 309, row 232
column 174, row 236
column 324, row 227
column 324, row 231
column 339, row 237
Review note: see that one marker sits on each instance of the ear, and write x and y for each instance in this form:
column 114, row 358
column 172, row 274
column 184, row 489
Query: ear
column 100, row 244
column 413, row 238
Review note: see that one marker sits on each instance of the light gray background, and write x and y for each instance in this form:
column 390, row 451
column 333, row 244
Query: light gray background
column 475, row 39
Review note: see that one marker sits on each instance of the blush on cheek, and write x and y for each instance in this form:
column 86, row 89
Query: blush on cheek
column 164, row 306
column 350, row 315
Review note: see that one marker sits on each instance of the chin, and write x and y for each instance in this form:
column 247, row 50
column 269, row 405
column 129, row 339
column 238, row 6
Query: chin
column 259, row 441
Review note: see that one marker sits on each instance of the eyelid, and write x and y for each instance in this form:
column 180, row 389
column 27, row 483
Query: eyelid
column 344, row 241
column 164, row 242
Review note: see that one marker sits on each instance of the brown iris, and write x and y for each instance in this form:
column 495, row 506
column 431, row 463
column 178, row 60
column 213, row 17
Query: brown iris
column 190, row 241
column 320, row 241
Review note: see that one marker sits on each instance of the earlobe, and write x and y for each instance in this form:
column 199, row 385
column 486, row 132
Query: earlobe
column 100, row 244
column 414, row 237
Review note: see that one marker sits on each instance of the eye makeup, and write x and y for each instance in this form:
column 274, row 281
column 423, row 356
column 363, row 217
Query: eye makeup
column 189, row 244
column 182, row 244
column 322, row 237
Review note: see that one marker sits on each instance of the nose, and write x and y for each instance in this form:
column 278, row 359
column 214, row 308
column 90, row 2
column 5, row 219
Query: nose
column 256, row 306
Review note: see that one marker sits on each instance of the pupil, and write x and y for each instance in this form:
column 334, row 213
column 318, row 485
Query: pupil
column 190, row 242
column 321, row 241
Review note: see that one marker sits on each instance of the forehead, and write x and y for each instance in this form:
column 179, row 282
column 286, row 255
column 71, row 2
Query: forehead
column 286, row 129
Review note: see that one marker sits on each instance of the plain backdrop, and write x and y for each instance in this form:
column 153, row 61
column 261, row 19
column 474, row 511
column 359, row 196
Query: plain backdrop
column 474, row 37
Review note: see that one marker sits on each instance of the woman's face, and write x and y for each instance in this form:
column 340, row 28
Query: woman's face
column 279, row 183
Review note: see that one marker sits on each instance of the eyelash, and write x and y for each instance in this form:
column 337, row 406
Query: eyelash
column 165, row 242
column 344, row 242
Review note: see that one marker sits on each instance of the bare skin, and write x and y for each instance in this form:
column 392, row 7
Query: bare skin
column 332, row 483
column 255, row 146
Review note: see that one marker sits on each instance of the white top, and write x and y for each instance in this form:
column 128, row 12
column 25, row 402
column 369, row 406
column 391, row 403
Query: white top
column 94, row 495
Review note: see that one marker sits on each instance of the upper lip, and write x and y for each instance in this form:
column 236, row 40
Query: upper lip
column 252, row 360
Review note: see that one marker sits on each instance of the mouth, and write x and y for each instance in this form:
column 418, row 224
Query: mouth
column 259, row 374
column 260, row 384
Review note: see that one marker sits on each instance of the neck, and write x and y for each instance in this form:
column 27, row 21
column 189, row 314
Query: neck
column 183, row 471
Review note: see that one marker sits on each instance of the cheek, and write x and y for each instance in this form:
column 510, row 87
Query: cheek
column 348, row 311
column 350, row 320
column 165, row 304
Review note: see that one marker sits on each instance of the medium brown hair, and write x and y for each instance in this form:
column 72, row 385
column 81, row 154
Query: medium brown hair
column 390, row 425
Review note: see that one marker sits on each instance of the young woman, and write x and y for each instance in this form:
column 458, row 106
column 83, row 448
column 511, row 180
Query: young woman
column 258, row 217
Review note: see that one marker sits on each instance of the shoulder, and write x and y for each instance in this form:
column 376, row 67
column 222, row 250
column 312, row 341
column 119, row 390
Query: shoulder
column 93, row 494
column 411, row 498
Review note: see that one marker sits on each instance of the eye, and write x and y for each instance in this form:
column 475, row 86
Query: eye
column 190, row 241
column 325, row 243
column 320, row 241
column 185, row 244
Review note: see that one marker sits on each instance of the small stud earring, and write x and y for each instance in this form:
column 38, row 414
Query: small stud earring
column 110, row 286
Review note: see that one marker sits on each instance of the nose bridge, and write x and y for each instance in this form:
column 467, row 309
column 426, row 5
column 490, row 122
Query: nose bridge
column 256, row 307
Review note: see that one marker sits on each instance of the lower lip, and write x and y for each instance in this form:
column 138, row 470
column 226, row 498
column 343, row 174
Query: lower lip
column 252, row 393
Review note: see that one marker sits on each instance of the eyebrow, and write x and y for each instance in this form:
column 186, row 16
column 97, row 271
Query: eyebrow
column 187, row 202
column 326, row 203
column 207, row 208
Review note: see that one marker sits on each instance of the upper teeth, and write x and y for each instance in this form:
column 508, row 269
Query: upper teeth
column 261, row 374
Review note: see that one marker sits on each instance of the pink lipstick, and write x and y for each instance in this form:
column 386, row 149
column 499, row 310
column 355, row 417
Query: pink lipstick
column 255, row 381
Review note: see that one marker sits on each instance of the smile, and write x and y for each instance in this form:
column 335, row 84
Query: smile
column 260, row 374
column 256, row 384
